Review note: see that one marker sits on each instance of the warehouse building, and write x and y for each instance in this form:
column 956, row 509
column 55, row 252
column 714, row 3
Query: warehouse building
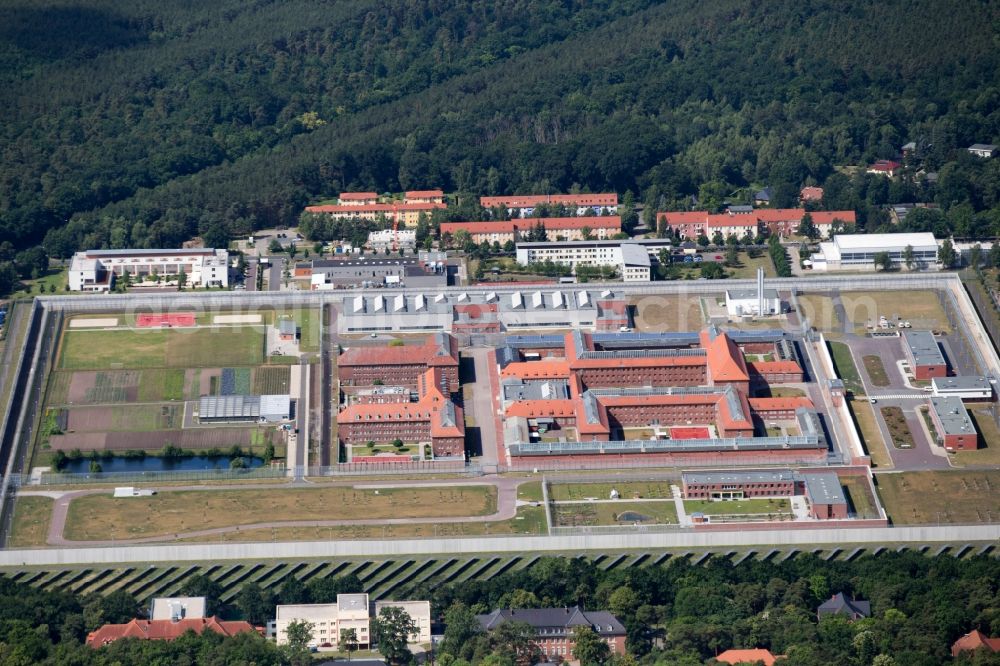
column 857, row 251
column 244, row 408
column 924, row 355
column 955, row 429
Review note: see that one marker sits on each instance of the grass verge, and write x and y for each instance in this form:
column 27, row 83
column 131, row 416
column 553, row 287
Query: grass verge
column 921, row 498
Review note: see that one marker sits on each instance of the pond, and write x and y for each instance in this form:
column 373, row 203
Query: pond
column 157, row 464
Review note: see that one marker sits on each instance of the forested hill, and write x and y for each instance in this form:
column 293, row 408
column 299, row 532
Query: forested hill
column 142, row 123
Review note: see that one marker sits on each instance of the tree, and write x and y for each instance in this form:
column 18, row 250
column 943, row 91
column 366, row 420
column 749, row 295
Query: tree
column 975, row 255
column 908, row 258
column 712, row 271
column 391, row 631
column 119, row 607
column 348, row 641
column 292, row 591
column 732, row 255
column 299, row 634
column 588, row 647
column 883, row 261
column 274, row 247
column 587, row 233
column 182, row 279
column 703, row 240
column 461, row 628
column 256, row 605
column 807, row 228
column 993, row 257
column 717, row 239
column 946, row 253
column 515, row 641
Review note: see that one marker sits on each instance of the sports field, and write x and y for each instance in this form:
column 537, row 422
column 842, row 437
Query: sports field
column 98, row 517
column 626, row 490
column 921, row 308
column 668, row 313
column 174, row 348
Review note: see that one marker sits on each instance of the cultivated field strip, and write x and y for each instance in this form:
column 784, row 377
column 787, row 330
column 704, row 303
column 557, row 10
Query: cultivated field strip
column 397, row 578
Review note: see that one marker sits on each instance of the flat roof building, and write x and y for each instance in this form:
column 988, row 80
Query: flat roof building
column 955, row 429
column 241, row 408
column 96, row 270
column 854, row 251
column 825, row 495
column 737, row 485
column 177, row 608
column 924, row 355
column 631, row 258
column 966, row 387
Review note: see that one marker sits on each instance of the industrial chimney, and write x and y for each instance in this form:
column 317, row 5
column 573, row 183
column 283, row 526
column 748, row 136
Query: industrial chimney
column 760, row 292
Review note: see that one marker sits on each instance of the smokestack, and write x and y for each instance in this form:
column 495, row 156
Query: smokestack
column 760, row 292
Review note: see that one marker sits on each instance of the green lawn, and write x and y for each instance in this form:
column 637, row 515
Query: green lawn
column 614, row 513
column 738, row 507
column 876, row 370
column 158, row 348
column 747, row 268
column 30, row 526
column 941, row 497
column 161, row 384
column 626, row 490
column 530, row 491
column 846, row 369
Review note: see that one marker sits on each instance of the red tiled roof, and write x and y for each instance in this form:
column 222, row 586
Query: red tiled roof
column 973, row 641
column 884, row 165
column 828, row 216
column 376, row 208
column 613, row 222
column 357, row 196
column 525, row 200
column 424, row 194
column 779, row 404
column 164, row 629
column 425, row 354
column 773, row 215
column 811, row 193
column 751, row 656
column 727, row 220
column 772, row 367
column 544, row 369
column 684, row 217
column 725, row 360
column 533, row 409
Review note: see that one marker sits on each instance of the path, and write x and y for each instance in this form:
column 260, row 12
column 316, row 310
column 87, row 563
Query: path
column 482, row 408
column 506, row 508
column 682, row 518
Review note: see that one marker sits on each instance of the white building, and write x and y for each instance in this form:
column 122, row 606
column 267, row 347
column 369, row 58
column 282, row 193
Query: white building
column 177, row 608
column 96, row 270
column 746, row 302
column 857, row 251
column 986, row 150
column 352, row 611
column 394, row 239
column 966, row 387
column 631, row 258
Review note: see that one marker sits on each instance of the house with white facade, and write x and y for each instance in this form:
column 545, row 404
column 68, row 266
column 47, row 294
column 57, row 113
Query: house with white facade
column 96, row 270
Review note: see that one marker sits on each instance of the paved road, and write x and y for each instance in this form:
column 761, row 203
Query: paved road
column 275, row 275
column 506, row 508
column 760, row 540
column 482, row 407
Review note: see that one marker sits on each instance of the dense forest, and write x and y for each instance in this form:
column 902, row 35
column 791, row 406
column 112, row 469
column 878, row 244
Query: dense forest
column 676, row 614
column 144, row 123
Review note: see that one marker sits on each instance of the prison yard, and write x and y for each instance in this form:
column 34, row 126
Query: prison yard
column 938, row 498
column 593, row 514
column 100, row 516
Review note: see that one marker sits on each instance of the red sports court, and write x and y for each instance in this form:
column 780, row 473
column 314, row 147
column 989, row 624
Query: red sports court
column 698, row 432
column 164, row 320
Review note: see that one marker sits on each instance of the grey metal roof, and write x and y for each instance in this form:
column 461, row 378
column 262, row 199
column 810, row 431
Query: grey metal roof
column 841, row 604
column 634, row 254
column 740, row 209
column 516, row 389
column 824, row 488
column 229, row 407
column 743, row 294
column 275, row 405
column 664, row 445
column 982, row 146
column 808, row 421
column 287, row 327
column 923, row 347
column 546, row 341
column 749, row 476
column 591, row 409
column 641, row 353
column 353, row 602
column 952, row 417
column 565, row 619
column 960, row 383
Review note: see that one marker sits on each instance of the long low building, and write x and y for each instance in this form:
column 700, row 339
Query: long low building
column 955, row 429
column 822, row 490
column 556, row 228
column 742, row 221
column 964, row 387
column 524, row 205
column 97, row 270
column 244, row 408
column 632, row 258
column 855, row 251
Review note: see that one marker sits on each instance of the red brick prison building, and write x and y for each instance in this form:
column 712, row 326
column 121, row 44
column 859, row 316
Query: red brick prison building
column 924, row 355
column 433, row 419
column 400, row 366
column 739, row 485
column 825, row 495
column 955, row 430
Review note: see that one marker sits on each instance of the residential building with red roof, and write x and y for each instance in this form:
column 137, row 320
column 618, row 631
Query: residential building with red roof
column 165, row 630
column 884, row 168
column 400, row 366
column 974, row 640
column 749, row 657
column 433, row 419
column 424, row 196
column 692, row 224
column 357, row 198
column 404, row 213
column 556, row 228
column 524, row 205
column 809, row 193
